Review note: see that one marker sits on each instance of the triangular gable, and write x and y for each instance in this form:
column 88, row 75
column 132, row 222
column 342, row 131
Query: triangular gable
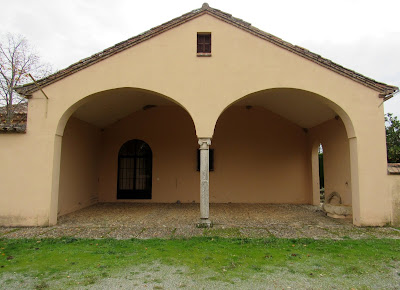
column 383, row 89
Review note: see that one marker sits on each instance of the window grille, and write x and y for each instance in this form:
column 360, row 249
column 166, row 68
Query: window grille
column 203, row 42
column 134, row 170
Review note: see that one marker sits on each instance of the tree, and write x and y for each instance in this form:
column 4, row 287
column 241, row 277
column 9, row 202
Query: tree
column 17, row 60
column 392, row 138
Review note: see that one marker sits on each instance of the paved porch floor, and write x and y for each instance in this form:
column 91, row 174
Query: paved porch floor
column 133, row 220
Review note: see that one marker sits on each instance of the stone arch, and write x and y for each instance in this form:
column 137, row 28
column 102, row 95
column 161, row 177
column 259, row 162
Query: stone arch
column 339, row 114
column 60, row 127
column 73, row 107
column 333, row 105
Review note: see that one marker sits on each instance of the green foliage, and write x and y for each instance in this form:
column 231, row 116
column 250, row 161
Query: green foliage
column 392, row 138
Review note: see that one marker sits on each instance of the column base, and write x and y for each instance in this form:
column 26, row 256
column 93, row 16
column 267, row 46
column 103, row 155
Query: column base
column 204, row 223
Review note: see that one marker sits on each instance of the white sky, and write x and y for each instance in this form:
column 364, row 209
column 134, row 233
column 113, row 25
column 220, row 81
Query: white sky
column 362, row 35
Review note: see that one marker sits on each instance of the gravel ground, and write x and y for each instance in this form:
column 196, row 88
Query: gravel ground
column 157, row 276
column 144, row 221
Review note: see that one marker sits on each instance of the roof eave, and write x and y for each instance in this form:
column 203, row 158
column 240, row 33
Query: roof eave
column 384, row 90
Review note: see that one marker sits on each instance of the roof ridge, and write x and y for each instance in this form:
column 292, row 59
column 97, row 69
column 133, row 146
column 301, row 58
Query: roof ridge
column 380, row 87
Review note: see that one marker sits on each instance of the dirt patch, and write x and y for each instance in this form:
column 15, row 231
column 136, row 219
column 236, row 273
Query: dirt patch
column 157, row 276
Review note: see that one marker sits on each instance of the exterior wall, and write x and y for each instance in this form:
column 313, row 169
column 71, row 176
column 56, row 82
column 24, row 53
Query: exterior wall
column 79, row 166
column 393, row 182
column 337, row 176
column 371, row 202
column 164, row 63
column 167, row 64
column 19, row 179
column 170, row 133
column 260, row 157
column 260, row 165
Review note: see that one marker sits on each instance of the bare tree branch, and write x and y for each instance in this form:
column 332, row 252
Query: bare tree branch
column 17, row 60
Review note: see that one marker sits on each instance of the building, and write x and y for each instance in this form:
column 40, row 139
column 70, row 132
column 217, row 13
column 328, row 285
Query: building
column 136, row 122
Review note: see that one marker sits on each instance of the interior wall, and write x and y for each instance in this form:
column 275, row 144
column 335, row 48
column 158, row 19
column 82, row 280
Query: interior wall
column 260, row 157
column 333, row 137
column 170, row 133
column 79, row 166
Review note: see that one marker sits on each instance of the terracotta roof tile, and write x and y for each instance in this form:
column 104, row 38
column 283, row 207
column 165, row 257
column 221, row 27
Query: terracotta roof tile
column 21, row 108
column 13, row 128
column 394, row 168
column 382, row 88
column 19, row 121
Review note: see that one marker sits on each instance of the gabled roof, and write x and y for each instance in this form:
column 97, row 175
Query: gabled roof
column 382, row 88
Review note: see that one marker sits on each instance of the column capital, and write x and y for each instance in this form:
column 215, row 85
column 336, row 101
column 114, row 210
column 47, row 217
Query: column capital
column 204, row 143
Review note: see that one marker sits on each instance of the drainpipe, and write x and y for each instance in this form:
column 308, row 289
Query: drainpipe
column 388, row 96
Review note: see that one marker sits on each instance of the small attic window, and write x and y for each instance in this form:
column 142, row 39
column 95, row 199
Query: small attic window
column 203, row 44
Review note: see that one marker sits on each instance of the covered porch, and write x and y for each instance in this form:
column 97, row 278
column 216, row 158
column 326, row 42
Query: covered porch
column 262, row 117
column 136, row 146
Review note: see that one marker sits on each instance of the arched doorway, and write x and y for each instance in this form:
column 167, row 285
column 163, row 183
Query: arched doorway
column 135, row 160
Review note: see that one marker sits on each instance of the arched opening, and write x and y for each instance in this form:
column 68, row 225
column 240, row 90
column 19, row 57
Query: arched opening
column 321, row 173
column 126, row 145
column 263, row 143
column 317, row 171
column 135, row 161
column 331, row 168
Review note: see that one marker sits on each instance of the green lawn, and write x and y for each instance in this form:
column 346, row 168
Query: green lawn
column 57, row 263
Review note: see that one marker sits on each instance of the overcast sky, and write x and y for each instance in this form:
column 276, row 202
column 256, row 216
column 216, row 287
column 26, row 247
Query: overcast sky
column 362, row 35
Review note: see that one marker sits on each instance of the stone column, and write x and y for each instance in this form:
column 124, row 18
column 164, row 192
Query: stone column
column 204, row 181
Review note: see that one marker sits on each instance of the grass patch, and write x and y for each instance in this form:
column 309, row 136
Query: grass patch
column 71, row 261
column 225, row 233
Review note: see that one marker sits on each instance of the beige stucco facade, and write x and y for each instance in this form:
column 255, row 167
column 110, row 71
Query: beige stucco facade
column 264, row 108
column 337, row 175
column 394, row 190
column 79, row 166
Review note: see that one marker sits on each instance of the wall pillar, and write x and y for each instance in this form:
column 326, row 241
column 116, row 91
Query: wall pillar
column 371, row 199
column 55, row 181
column 355, row 190
column 316, row 199
column 204, row 181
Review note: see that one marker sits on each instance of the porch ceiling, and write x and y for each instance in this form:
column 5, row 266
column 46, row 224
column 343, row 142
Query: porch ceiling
column 110, row 106
column 301, row 107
